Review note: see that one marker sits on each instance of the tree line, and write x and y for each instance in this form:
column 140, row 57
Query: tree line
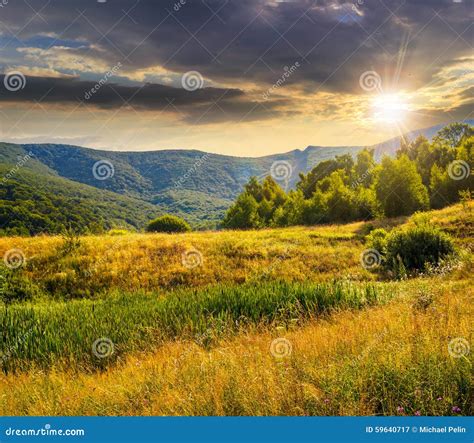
column 422, row 175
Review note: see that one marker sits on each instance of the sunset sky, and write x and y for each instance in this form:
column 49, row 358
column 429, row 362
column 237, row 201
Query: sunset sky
column 237, row 77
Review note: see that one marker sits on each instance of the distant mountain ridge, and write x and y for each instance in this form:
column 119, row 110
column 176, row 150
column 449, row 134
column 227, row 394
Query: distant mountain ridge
column 197, row 185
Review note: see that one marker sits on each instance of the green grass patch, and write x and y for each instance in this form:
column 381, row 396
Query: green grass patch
column 50, row 333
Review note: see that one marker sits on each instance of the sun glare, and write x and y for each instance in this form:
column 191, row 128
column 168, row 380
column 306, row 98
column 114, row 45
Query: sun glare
column 389, row 108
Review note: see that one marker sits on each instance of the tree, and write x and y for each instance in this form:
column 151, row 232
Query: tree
column 399, row 188
column 243, row 214
column 446, row 184
column 363, row 168
column 309, row 182
column 291, row 212
column 168, row 223
column 257, row 205
column 453, row 134
column 315, row 209
column 338, row 197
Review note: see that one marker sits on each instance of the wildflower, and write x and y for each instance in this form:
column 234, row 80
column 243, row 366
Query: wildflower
column 400, row 409
column 418, row 413
column 456, row 409
column 326, row 400
column 439, row 398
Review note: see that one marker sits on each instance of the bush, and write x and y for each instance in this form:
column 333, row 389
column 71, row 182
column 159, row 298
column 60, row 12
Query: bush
column 419, row 248
column 168, row 223
column 377, row 239
column 416, row 248
column 14, row 286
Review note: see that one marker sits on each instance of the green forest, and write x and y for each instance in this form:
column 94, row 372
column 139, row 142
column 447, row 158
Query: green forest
column 423, row 175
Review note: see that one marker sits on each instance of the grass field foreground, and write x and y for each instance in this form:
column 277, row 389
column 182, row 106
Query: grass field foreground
column 250, row 329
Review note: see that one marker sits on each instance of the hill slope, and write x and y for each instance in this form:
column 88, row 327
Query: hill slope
column 193, row 184
column 32, row 203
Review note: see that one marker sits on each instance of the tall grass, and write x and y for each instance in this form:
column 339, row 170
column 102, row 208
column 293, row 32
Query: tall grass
column 56, row 332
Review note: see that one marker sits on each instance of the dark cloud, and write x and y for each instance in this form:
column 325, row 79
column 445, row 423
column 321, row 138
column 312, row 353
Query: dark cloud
column 251, row 41
column 464, row 111
column 202, row 105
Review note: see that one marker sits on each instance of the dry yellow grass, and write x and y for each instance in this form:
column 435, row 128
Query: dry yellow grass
column 368, row 362
column 154, row 261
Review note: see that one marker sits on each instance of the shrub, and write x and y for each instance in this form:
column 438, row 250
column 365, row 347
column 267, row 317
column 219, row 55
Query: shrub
column 377, row 239
column 416, row 248
column 168, row 223
column 419, row 248
column 14, row 286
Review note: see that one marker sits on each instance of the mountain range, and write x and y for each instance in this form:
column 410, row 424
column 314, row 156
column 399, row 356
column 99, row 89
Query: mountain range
column 126, row 189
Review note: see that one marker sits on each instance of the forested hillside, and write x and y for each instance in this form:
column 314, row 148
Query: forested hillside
column 48, row 188
column 423, row 175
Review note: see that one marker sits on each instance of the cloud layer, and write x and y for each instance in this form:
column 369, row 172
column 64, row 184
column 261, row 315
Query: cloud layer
column 241, row 48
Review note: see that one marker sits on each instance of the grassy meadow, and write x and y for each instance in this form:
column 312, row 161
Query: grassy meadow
column 272, row 322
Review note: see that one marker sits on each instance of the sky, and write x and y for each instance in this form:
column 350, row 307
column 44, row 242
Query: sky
column 236, row 77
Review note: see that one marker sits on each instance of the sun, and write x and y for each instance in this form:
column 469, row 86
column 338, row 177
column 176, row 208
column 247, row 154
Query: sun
column 390, row 108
